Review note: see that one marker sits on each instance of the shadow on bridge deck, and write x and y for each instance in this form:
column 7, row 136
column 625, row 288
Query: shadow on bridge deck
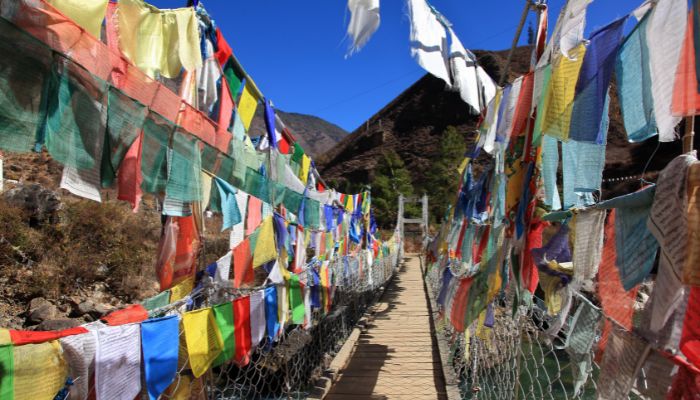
column 397, row 356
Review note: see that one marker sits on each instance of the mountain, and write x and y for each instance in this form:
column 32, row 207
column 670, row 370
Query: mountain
column 413, row 124
column 314, row 134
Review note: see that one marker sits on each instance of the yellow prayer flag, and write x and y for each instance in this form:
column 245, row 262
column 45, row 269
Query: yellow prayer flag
column 204, row 341
column 560, row 96
column 463, row 166
column 5, row 337
column 349, row 204
column 182, row 289
column 265, row 250
column 304, row 170
column 88, row 14
column 159, row 41
column 185, row 388
column 40, row 370
column 246, row 107
column 467, row 340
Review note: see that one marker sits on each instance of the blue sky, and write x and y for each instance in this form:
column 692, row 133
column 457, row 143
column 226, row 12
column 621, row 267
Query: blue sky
column 295, row 50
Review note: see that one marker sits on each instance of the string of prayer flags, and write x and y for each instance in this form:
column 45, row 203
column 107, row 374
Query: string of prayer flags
column 159, row 340
column 204, row 340
column 118, row 362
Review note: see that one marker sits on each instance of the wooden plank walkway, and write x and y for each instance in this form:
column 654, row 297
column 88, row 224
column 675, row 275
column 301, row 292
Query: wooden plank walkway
column 397, row 357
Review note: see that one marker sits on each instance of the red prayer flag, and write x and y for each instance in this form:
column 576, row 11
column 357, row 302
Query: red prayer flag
column 459, row 304
column 223, row 51
column 241, row 318
column 128, row 315
column 528, row 272
column 129, row 176
column 686, row 99
column 243, row 264
column 35, row 337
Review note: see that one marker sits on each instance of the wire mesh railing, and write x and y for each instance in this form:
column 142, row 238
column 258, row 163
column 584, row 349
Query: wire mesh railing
column 288, row 367
column 514, row 351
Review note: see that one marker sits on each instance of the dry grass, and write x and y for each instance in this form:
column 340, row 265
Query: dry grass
column 93, row 243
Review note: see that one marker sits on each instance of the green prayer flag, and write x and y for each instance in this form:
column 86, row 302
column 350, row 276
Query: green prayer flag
column 233, row 79
column 162, row 299
column 223, row 314
column 296, row 300
column 7, row 373
column 298, row 153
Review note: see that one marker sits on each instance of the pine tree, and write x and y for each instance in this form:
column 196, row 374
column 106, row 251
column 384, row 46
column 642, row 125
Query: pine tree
column 391, row 178
column 530, row 35
column 442, row 184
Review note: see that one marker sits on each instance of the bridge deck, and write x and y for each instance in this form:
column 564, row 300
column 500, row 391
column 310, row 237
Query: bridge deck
column 396, row 358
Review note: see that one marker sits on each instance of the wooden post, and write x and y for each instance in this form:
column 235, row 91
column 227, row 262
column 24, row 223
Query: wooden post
column 689, row 134
column 523, row 18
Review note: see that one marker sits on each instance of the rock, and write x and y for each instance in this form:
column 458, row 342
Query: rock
column 37, row 302
column 58, row 324
column 86, row 307
column 42, row 204
column 42, row 313
column 93, row 309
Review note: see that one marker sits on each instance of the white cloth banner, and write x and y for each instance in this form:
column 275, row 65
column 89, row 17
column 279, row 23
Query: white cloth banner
column 568, row 32
column 83, row 183
column 588, row 246
column 668, row 222
column 506, row 124
column 223, row 268
column 665, row 35
column 257, row 317
column 238, row 230
column 464, row 73
column 79, row 352
column 364, row 21
column 118, row 362
column 428, row 40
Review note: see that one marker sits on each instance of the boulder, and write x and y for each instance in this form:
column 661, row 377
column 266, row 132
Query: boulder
column 42, row 204
column 43, row 313
column 92, row 308
column 59, row 324
column 37, row 302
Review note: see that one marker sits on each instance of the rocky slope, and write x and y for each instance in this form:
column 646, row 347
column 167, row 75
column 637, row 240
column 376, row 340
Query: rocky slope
column 314, row 134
